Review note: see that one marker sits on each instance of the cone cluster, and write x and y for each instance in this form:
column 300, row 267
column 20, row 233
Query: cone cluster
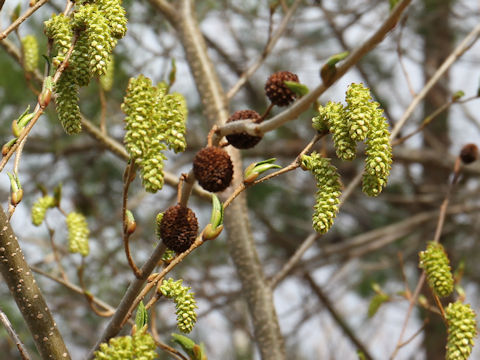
column 184, row 302
column 434, row 261
column 178, row 228
column 213, row 168
column 244, row 140
column 329, row 190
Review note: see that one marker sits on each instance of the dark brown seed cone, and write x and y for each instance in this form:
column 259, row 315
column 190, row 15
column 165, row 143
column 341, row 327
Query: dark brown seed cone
column 244, row 140
column 469, row 153
column 178, row 228
column 278, row 93
column 213, row 169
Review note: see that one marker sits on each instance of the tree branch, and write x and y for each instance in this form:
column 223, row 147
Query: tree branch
column 27, row 295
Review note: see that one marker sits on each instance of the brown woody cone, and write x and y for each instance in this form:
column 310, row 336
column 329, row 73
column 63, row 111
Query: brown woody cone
column 244, row 140
column 469, row 153
column 213, row 168
column 276, row 90
column 178, row 228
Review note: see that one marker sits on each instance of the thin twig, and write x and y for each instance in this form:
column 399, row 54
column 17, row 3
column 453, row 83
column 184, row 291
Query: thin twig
column 466, row 44
column 16, row 339
column 13, row 26
column 127, row 179
column 266, row 51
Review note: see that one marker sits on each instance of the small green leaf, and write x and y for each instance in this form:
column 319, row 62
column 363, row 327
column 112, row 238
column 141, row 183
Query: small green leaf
column 334, row 59
column 141, row 319
column 376, row 302
column 186, row 343
column 297, row 88
column 457, row 95
column 217, row 212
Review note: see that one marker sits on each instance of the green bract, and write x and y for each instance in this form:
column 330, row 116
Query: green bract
column 462, row 329
column 140, row 346
column 435, row 262
column 30, row 53
column 39, row 209
column 184, row 301
column 329, row 190
column 77, row 234
column 66, row 102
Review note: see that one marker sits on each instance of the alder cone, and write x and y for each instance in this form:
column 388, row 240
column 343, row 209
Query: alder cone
column 469, row 153
column 213, row 169
column 276, row 90
column 178, row 228
column 244, row 140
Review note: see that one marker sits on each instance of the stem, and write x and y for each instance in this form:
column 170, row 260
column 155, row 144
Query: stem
column 27, row 295
column 11, row 331
column 13, row 26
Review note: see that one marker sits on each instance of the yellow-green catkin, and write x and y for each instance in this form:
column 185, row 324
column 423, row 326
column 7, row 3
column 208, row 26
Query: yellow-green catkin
column 66, row 102
column 106, row 80
column 30, row 53
column 434, row 261
column 334, row 116
column 329, row 190
column 80, row 60
column 462, row 329
column 184, row 301
column 140, row 346
column 40, row 207
column 101, row 43
column 115, row 15
column 78, row 233
column 145, row 135
column 59, row 29
column 358, row 111
column 378, row 153
column 173, row 114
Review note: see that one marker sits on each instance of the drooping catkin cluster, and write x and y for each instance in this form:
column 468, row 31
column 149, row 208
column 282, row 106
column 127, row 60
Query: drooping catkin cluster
column 40, row 207
column 30, row 53
column 184, row 301
column 435, row 262
column 140, row 346
column 78, row 233
column 154, row 120
column 97, row 25
column 360, row 120
column 329, row 190
column 462, row 329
